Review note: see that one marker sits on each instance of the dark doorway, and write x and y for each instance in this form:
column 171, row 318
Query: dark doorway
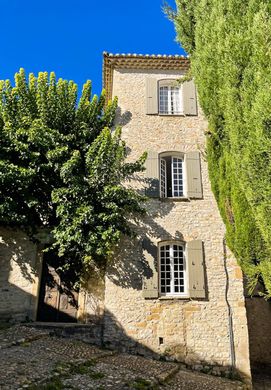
column 58, row 300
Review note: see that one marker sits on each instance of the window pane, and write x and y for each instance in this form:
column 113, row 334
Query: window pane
column 163, row 100
column 178, row 276
column 172, row 272
column 165, row 272
column 175, row 100
column 177, row 176
column 163, row 178
column 170, row 100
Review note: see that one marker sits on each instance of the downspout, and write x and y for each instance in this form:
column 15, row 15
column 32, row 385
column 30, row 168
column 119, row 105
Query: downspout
column 232, row 348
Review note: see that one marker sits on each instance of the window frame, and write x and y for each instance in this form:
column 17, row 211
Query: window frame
column 180, row 156
column 171, row 84
column 172, row 294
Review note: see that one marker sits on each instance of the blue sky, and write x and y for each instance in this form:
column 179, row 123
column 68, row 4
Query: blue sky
column 68, row 36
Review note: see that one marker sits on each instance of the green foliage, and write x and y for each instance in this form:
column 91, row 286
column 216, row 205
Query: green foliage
column 143, row 384
column 52, row 384
column 230, row 49
column 62, row 168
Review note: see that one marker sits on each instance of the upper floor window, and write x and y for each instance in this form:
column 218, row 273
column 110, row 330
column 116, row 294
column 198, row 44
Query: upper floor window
column 170, row 98
column 172, row 176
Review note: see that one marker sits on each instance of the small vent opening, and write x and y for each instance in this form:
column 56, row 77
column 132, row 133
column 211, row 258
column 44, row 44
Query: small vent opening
column 161, row 340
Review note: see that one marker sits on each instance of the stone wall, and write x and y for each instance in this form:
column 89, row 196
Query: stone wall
column 20, row 265
column 196, row 332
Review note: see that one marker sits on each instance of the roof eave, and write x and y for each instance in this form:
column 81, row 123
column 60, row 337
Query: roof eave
column 139, row 61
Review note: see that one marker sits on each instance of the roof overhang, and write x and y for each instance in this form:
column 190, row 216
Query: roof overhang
column 141, row 62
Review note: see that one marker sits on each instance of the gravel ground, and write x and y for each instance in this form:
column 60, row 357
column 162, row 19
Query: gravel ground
column 31, row 358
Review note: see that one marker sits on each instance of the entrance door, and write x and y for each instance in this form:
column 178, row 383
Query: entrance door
column 58, row 301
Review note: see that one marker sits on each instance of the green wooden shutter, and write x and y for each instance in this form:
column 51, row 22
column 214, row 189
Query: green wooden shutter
column 189, row 98
column 151, row 96
column 152, row 175
column 195, row 260
column 193, row 175
column 150, row 282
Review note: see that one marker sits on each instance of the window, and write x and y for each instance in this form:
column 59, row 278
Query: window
column 172, row 176
column 177, row 269
column 170, row 99
column 172, row 269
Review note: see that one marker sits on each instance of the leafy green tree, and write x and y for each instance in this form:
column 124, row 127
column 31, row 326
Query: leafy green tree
column 61, row 168
column 229, row 43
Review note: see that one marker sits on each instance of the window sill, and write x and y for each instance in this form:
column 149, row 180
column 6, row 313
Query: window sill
column 180, row 114
column 174, row 297
column 179, row 199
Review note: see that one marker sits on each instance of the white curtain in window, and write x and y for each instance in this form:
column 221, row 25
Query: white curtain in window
column 175, row 100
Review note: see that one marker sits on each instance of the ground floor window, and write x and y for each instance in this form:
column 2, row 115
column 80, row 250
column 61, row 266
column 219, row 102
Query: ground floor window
column 172, row 269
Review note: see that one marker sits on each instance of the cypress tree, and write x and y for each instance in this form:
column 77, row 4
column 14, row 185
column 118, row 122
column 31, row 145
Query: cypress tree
column 229, row 43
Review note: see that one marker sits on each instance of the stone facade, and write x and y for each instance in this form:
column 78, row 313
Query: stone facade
column 196, row 332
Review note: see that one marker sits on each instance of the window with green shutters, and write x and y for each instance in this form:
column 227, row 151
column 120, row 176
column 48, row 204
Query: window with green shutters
column 169, row 97
column 173, row 175
column 179, row 270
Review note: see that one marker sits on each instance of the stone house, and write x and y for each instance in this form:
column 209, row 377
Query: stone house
column 176, row 290
column 184, row 296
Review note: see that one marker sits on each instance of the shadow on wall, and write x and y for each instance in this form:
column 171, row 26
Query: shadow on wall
column 129, row 274
column 259, row 326
column 16, row 304
column 19, row 265
column 122, row 118
column 17, row 250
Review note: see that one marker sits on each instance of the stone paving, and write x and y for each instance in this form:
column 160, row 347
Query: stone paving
column 33, row 359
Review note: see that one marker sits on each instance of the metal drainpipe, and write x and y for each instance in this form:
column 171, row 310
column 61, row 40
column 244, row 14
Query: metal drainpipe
column 232, row 349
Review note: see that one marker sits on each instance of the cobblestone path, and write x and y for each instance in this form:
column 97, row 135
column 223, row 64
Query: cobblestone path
column 32, row 359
